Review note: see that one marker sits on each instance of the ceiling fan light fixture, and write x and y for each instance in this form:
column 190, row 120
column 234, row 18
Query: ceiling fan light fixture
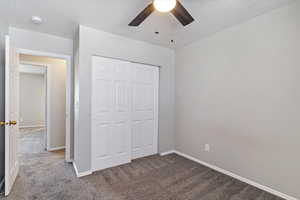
column 164, row 5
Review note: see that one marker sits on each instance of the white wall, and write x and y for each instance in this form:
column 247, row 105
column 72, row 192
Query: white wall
column 57, row 71
column 95, row 42
column 31, row 40
column 32, row 100
column 239, row 91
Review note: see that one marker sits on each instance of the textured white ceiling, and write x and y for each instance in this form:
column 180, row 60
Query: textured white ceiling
column 61, row 17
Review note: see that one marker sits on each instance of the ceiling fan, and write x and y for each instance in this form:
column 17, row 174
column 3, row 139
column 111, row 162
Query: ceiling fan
column 173, row 6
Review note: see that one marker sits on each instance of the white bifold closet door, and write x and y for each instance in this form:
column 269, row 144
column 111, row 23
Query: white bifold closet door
column 144, row 122
column 124, row 111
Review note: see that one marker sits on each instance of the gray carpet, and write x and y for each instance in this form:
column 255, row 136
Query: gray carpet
column 46, row 176
column 32, row 141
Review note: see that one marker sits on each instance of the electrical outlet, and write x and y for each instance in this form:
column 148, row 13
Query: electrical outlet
column 207, row 147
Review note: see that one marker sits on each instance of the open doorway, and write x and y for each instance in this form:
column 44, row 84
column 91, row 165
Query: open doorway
column 42, row 105
column 32, row 107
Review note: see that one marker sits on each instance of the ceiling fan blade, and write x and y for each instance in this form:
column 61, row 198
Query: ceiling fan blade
column 182, row 14
column 143, row 15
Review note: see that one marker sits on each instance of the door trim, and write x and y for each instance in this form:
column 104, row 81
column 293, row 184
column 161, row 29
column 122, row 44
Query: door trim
column 131, row 61
column 69, row 105
column 6, row 117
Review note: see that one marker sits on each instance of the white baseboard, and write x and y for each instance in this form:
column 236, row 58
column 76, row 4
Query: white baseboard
column 81, row 174
column 245, row 180
column 167, row 153
column 33, row 126
column 69, row 160
column 56, row 148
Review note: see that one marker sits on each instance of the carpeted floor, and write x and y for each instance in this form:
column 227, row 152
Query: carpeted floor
column 46, row 176
column 32, row 141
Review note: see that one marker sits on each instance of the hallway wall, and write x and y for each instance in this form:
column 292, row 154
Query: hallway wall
column 32, row 100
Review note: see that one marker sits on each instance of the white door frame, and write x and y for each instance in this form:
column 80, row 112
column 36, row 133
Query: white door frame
column 67, row 58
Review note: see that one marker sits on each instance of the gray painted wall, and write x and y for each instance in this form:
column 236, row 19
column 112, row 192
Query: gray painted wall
column 3, row 32
column 239, row 91
column 95, row 42
column 31, row 40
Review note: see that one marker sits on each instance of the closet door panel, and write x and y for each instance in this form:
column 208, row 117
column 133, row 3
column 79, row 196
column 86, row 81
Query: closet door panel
column 124, row 111
column 111, row 113
column 145, row 110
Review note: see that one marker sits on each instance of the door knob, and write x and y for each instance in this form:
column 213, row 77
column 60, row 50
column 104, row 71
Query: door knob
column 12, row 123
column 4, row 123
